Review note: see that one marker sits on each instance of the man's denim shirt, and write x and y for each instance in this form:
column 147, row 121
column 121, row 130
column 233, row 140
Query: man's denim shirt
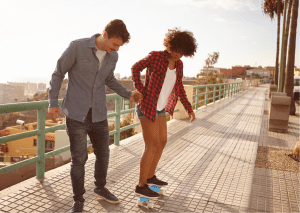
column 86, row 83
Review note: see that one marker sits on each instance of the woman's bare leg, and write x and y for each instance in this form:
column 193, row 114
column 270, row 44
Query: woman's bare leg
column 162, row 123
column 151, row 138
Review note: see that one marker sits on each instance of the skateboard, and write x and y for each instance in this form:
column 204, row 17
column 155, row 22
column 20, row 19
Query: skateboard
column 149, row 202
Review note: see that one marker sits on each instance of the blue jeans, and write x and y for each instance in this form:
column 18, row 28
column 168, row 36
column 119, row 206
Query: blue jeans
column 99, row 136
column 140, row 115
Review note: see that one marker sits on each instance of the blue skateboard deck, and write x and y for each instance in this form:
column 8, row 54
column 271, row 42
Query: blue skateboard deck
column 148, row 201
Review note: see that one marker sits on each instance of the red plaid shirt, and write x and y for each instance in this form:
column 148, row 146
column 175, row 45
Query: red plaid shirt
column 157, row 65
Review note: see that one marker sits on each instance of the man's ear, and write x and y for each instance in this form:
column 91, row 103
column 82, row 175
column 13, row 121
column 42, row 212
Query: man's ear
column 105, row 35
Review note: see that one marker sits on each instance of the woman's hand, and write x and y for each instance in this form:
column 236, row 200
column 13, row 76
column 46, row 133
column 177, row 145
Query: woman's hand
column 192, row 116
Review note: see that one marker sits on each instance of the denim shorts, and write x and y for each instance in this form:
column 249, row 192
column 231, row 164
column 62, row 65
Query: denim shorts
column 141, row 115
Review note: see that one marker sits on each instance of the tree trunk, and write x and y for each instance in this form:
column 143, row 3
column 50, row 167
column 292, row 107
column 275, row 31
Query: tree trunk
column 278, row 38
column 289, row 81
column 287, row 30
column 280, row 88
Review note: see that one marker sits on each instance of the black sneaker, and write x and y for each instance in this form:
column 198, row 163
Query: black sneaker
column 77, row 207
column 157, row 182
column 107, row 195
column 145, row 191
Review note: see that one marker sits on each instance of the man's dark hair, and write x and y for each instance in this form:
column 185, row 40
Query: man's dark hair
column 181, row 41
column 117, row 28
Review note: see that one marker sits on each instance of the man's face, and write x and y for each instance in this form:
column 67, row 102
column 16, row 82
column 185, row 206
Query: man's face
column 112, row 44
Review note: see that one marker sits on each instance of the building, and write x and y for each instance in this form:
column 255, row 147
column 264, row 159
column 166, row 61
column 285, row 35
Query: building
column 272, row 70
column 239, row 70
column 7, row 93
column 261, row 72
column 227, row 72
column 206, row 70
column 296, row 71
column 22, row 149
column 32, row 88
column 41, row 87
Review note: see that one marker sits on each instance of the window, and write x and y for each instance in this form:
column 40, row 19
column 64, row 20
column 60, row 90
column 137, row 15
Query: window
column 296, row 82
column 1, row 157
column 15, row 159
column 49, row 144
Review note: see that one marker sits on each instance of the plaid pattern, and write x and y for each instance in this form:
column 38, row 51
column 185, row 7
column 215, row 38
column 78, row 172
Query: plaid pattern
column 157, row 65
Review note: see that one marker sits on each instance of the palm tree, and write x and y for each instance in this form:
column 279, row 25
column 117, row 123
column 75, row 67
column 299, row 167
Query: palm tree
column 287, row 29
column 271, row 7
column 289, row 80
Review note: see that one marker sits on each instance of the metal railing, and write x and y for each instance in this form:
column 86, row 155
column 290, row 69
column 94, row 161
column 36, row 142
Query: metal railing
column 40, row 106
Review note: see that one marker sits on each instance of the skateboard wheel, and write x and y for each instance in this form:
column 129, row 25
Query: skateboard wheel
column 150, row 205
column 162, row 191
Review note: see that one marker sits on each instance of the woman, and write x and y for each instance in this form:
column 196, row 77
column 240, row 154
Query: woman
column 160, row 93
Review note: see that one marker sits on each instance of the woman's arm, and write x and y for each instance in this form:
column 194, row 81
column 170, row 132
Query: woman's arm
column 137, row 68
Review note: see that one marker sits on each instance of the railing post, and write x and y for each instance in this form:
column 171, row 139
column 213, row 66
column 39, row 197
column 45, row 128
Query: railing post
column 40, row 165
column 197, row 97
column 214, row 93
column 117, row 121
column 225, row 85
column 229, row 90
column 234, row 88
column 220, row 91
column 206, row 95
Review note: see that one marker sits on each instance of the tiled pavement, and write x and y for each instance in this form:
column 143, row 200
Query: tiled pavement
column 209, row 165
column 274, row 190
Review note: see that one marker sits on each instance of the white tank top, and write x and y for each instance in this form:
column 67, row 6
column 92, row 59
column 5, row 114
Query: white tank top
column 166, row 89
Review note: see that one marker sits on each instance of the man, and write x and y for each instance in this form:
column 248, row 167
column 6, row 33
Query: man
column 90, row 64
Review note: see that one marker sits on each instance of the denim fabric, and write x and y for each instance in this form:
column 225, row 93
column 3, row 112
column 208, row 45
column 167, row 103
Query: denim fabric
column 141, row 115
column 99, row 135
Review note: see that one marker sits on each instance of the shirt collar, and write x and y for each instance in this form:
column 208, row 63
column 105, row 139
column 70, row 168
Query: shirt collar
column 166, row 57
column 93, row 40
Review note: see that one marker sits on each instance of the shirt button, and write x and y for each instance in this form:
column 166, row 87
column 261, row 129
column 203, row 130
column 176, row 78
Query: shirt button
column 94, row 85
column 89, row 105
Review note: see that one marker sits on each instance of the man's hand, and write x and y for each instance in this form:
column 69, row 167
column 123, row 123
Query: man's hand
column 52, row 113
column 192, row 116
column 136, row 96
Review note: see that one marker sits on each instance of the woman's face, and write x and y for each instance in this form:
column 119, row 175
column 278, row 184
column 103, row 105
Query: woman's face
column 175, row 55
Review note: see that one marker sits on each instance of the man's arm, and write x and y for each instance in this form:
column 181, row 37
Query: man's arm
column 64, row 64
column 112, row 83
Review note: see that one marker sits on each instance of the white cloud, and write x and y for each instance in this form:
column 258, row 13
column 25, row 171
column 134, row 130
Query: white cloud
column 224, row 4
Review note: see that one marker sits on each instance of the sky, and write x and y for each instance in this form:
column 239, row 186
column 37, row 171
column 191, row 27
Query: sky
column 35, row 33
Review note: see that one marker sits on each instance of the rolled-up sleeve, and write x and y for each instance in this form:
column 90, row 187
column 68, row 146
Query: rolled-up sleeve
column 137, row 68
column 64, row 64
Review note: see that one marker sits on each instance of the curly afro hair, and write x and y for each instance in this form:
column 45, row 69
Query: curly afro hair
column 180, row 41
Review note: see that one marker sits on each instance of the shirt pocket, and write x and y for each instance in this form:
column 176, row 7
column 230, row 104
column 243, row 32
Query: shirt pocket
column 85, row 66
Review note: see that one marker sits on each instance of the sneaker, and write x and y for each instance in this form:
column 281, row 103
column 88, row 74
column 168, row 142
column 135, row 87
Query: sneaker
column 157, row 182
column 77, row 207
column 145, row 191
column 107, row 195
